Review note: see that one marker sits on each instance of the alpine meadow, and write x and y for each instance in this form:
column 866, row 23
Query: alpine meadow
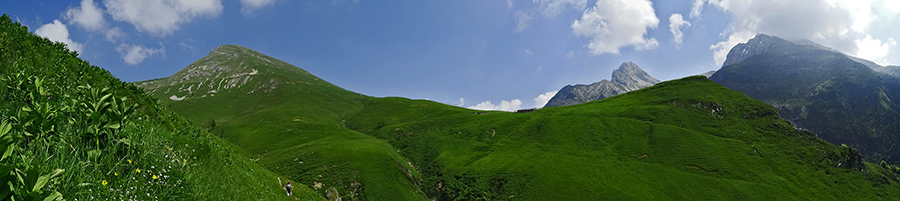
column 357, row 100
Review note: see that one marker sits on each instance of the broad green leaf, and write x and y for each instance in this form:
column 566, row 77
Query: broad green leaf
column 5, row 192
column 8, row 151
column 56, row 172
column 112, row 125
column 31, row 179
column 54, row 196
column 125, row 141
column 4, row 128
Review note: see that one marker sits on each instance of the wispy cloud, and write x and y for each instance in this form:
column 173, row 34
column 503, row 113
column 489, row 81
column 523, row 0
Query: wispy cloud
column 161, row 17
column 250, row 6
column 675, row 24
column 135, row 54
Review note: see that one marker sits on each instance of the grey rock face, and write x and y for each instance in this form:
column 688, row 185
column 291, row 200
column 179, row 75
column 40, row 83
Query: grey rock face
column 628, row 77
column 757, row 45
column 631, row 77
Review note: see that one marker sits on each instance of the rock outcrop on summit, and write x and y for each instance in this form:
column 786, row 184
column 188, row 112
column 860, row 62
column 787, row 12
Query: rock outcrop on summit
column 628, row 77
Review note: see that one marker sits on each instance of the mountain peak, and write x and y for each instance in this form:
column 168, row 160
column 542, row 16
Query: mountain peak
column 628, row 77
column 759, row 44
column 632, row 77
column 231, row 68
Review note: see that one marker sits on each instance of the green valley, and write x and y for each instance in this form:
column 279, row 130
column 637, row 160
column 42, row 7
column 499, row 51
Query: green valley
column 683, row 139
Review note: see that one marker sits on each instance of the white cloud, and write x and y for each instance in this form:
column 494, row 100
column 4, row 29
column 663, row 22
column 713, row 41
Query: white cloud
column 511, row 106
column 675, row 24
column 522, row 19
column 570, row 54
column 185, row 46
column 697, row 8
column 551, row 8
column 720, row 50
column 114, row 34
column 528, row 52
column 509, row 4
column 248, row 6
column 840, row 24
column 874, row 49
column 461, row 102
column 892, row 5
column 58, row 32
column 87, row 16
column 135, row 54
column 613, row 24
column 542, row 99
column 161, row 17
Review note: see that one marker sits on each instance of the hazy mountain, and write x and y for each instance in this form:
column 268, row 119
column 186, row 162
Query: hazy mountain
column 628, row 77
column 842, row 99
column 708, row 73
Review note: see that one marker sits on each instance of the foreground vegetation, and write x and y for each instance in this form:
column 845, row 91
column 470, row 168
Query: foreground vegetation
column 69, row 130
column 679, row 140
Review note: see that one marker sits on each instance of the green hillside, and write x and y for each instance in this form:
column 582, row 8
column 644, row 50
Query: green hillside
column 69, row 130
column 678, row 140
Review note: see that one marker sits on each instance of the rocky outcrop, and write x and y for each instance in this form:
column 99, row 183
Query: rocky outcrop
column 628, row 77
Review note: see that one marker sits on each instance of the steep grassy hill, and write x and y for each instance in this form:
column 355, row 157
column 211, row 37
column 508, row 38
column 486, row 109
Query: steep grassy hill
column 678, row 140
column 842, row 99
column 71, row 130
column 287, row 120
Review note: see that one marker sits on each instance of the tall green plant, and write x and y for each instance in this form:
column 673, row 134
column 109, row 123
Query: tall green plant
column 18, row 181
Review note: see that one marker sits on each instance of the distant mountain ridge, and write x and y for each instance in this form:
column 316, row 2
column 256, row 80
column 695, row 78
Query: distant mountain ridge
column 628, row 77
column 842, row 99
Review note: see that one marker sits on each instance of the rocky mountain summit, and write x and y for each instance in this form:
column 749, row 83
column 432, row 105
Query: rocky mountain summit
column 628, row 77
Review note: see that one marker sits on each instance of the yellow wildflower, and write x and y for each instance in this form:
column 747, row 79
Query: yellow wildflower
column 103, row 182
column 137, row 170
column 116, row 173
column 154, row 177
column 170, row 148
column 129, row 160
column 151, row 171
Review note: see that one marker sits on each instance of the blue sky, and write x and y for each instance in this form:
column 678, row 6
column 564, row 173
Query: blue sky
column 486, row 54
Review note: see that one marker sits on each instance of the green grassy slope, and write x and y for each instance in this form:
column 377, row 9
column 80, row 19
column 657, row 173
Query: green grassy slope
column 132, row 148
column 682, row 139
column 287, row 120
column 679, row 140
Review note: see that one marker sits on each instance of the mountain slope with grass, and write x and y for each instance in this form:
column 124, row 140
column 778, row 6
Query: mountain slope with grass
column 840, row 98
column 628, row 77
column 677, row 140
column 289, row 121
column 69, row 130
